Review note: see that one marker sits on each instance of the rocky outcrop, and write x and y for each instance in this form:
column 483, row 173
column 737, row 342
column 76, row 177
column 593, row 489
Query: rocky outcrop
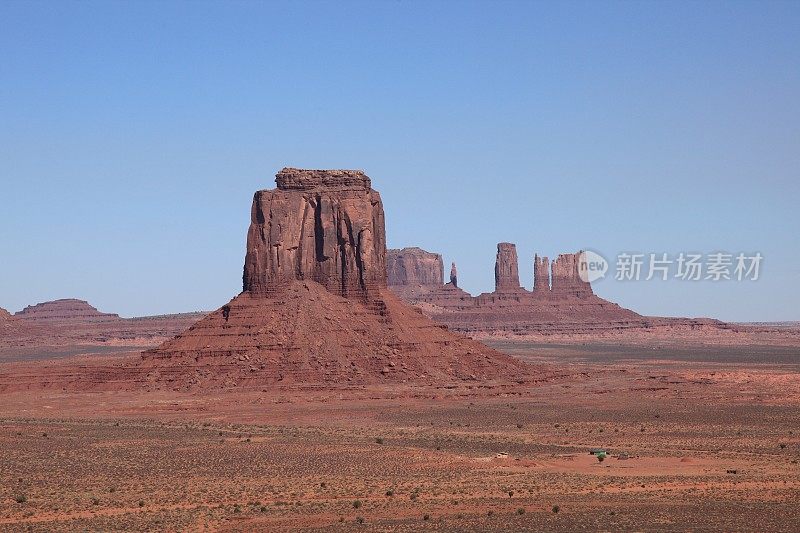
column 322, row 226
column 314, row 308
column 414, row 266
column 541, row 274
column 64, row 311
column 506, row 268
column 453, row 275
column 4, row 315
column 566, row 280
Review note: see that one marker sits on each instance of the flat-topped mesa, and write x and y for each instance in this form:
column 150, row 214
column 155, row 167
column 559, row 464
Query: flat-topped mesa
column 541, row 274
column 566, row 280
column 506, row 268
column 67, row 310
column 414, row 266
column 325, row 226
column 454, row 275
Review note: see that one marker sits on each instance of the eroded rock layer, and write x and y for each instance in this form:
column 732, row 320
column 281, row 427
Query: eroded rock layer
column 314, row 307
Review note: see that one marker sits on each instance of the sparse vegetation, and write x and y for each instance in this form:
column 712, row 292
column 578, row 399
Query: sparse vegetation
column 20, row 498
column 357, row 504
column 556, row 509
column 520, row 511
column 379, row 440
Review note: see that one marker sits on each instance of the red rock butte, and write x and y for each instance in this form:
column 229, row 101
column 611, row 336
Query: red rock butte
column 314, row 306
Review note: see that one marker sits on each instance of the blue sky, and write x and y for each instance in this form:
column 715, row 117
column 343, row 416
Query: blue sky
column 133, row 135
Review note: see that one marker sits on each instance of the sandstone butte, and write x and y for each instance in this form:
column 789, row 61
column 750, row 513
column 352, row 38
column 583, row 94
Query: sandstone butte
column 315, row 307
column 559, row 303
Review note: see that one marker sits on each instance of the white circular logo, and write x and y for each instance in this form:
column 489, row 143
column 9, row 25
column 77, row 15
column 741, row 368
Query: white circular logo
column 591, row 266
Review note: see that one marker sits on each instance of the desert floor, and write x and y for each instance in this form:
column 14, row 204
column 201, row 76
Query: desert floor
column 712, row 437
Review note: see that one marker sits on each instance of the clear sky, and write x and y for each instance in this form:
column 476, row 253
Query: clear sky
column 133, row 135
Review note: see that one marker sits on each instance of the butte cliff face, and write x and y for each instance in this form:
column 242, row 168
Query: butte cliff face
column 314, row 308
column 566, row 280
column 506, row 268
column 321, row 226
column 414, row 266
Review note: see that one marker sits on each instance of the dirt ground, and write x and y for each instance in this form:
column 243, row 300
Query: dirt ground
column 696, row 441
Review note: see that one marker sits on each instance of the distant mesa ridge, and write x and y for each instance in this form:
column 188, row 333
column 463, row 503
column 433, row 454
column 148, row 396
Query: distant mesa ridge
column 560, row 302
column 64, row 311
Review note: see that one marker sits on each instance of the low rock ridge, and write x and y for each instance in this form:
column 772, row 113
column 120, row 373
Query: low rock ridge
column 65, row 310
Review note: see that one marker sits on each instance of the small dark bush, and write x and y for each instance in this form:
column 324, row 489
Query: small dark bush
column 520, row 511
column 556, row 508
column 357, row 504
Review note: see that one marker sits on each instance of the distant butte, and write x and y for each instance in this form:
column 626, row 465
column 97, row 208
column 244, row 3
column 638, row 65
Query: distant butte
column 314, row 306
column 561, row 303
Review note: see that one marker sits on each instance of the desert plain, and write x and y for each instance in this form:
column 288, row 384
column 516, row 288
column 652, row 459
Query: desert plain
column 698, row 436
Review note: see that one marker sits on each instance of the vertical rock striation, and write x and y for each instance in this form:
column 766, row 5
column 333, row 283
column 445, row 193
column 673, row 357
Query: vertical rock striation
column 454, row 275
column 506, row 268
column 323, row 226
column 566, row 279
column 541, row 274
